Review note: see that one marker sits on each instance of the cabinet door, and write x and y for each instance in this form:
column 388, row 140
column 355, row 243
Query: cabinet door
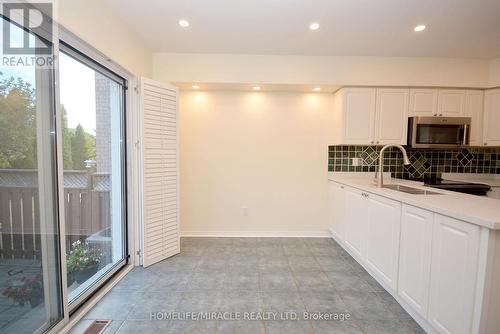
column 423, row 102
column 391, row 120
column 359, row 115
column 415, row 257
column 492, row 118
column 451, row 102
column 383, row 221
column 455, row 247
column 474, row 110
column 337, row 208
column 354, row 218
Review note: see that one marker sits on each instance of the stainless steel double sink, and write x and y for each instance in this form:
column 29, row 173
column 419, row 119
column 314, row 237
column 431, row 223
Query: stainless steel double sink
column 410, row 190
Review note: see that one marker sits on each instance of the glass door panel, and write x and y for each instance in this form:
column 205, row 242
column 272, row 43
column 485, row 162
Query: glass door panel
column 30, row 275
column 92, row 107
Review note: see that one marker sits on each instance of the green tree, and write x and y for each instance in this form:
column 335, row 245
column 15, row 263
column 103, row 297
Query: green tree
column 18, row 145
column 82, row 147
column 17, row 124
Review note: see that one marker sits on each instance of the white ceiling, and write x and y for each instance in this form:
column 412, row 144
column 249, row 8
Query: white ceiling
column 455, row 28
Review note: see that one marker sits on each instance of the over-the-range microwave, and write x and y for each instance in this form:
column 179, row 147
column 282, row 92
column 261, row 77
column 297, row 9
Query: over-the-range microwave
column 438, row 132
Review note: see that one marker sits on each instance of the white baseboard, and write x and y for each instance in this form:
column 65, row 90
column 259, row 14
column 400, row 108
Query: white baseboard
column 263, row 234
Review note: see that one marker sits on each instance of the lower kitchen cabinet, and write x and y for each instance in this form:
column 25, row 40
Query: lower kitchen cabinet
column 455, row 257
column 337, row 209
column 432, row 264
column 382, row 229
column 415, row 257
column 354, row 220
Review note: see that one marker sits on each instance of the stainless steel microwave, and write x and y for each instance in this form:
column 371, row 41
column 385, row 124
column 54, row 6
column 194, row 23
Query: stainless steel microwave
column 438, row 132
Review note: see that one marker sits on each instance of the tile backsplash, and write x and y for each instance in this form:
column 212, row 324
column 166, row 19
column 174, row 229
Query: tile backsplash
column 423, row 162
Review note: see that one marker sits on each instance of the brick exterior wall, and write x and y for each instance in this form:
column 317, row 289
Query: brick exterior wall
column 103, row 123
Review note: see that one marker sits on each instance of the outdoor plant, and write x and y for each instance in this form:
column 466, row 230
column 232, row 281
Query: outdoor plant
column 25, row 290
column 83, row 258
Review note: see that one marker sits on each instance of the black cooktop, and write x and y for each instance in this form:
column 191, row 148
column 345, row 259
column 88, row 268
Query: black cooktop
column 458, row 186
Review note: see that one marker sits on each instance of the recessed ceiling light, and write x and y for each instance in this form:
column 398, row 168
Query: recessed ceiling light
column 256, row 87
column 420, row 27
column 317, row 89
column 196, row 87
column 314, row 26
column 184, row 23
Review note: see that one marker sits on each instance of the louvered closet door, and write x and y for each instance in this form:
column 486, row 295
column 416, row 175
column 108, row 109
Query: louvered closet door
column 160, row 171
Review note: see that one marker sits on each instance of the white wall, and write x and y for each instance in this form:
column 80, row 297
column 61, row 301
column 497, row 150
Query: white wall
column 263, row 151
column 494, row 67
column 96, row 24
column 223, row 68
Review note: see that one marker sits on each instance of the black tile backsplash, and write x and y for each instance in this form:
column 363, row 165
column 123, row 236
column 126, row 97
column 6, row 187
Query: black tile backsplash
column 481, row 160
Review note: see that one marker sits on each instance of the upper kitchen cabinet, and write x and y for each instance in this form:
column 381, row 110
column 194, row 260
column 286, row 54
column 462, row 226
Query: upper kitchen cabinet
column 437, row 102
column 367, row 116
column 451, row 102
column 474, row 110
column 423, row 102
column 354, row 110
column 391, row 116
column 491, row 129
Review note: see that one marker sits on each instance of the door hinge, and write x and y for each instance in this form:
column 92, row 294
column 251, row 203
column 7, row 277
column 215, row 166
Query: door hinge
column 138, row 252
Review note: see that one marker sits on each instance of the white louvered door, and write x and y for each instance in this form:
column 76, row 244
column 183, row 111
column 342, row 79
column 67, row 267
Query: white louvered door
column 160, row 183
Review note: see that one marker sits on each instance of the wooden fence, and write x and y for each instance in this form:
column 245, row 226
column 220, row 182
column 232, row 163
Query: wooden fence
column 87, row 210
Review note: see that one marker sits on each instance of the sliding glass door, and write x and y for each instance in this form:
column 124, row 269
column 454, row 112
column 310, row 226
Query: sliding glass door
column 30, row 261
column 62, row 179
column 92, row 110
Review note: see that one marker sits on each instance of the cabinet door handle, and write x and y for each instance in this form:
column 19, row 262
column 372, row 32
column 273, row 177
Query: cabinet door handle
column 435, row 114
column 485, row 144
column 440, row 114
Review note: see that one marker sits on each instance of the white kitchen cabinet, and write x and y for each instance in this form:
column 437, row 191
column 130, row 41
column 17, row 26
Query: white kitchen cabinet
column 391, row 116
column 355, row 115
column 423, row 102
column 354, row 219
column 455, row 252
column 443, row 271
column 415, row 257
column 451, row 102
column 474, row 109
column 491, row 129
column 381, row 245
column 337, row 209
column 369, row 116
column 437, row 102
